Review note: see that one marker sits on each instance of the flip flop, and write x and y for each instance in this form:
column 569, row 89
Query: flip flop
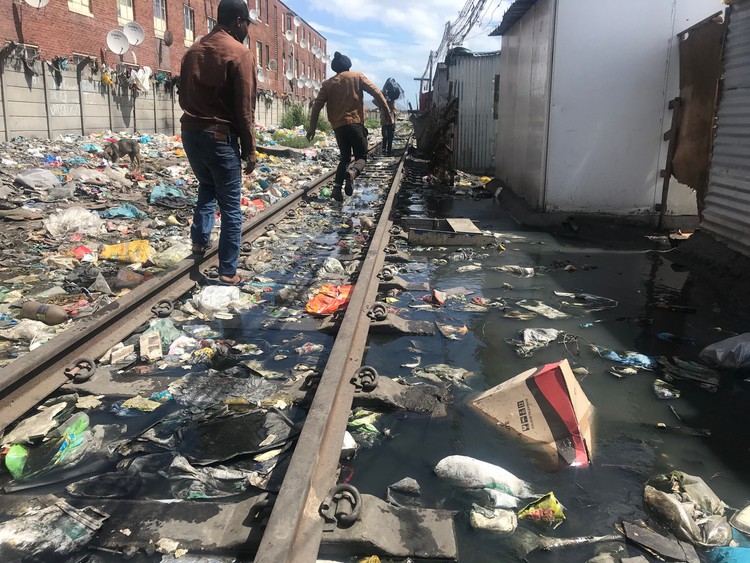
column 236, row 280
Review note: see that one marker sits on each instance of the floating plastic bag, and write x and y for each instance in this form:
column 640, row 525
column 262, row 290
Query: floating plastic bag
column 546, row 510
column 732, row 353
column 664, row 390
column 542, row 309
column 331, row 266
column 73, row 220
column 533, row 339
column 215, row 298
column 329, row 299
column 475, row 474
column 627, row 358
column 134, row 252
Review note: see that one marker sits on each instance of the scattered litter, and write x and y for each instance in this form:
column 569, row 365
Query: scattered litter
column 533, row 340
column 633, row 359
column 732, row 353
column 542, row 309
column 545, row 510
column 443, row 373
column 531, row 405
column 495, row 520
column 664, row 390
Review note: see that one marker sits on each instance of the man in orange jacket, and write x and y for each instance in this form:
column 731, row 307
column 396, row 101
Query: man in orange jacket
column 344, row 94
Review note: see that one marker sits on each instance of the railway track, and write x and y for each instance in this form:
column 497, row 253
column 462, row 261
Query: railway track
column 309, row 508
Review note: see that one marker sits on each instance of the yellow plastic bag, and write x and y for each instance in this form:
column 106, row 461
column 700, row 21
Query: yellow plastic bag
column 134, row 252
column 546, row 510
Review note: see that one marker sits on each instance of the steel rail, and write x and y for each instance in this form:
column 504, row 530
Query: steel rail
column 295, row 528
column 32, row 377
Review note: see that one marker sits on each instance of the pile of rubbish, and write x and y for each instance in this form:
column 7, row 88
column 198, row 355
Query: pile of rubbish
column 77, row 231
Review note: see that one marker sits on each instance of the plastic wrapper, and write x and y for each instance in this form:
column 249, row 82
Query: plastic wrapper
column 134, row 252
column 546, row 510
column 73, row 220
column 498, row 521
column 329, row 299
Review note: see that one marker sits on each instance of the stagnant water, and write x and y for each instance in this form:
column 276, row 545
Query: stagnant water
column 628, row 446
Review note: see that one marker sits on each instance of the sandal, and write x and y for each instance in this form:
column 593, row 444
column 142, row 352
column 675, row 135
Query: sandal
column 236, row 279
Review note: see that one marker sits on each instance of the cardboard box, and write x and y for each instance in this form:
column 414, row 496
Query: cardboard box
column 547, row 407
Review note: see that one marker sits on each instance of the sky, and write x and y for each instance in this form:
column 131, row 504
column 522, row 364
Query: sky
column 393, row 38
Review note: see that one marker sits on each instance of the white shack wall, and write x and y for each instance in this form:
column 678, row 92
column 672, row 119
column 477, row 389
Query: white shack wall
column 473, row 79
column 525, row 64
column 610, row 88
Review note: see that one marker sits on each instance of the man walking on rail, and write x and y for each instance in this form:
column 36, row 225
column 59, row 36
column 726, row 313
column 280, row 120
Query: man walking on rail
column 217, row 94
column 343, row 93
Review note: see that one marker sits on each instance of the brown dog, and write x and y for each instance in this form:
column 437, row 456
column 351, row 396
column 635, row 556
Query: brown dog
column 114, row 151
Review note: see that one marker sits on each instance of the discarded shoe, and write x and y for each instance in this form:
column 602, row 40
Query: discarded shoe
column 336, row 193
column 351, row 175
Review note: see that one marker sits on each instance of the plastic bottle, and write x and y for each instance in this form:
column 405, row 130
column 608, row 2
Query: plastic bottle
column 48, row 314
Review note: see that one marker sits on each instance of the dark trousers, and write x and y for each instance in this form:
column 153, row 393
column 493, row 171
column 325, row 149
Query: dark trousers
column 388, row 132
column 351, row 139
column 217, row 166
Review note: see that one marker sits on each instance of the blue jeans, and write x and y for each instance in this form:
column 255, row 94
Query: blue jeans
column 217, row 165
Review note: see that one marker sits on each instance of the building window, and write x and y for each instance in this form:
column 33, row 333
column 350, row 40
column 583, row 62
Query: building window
column 188, row 17
column 160, row 18
column 266, row 2
column 288, row 22
column 268, row 54
column 211, row 24
column 259, row 8
column 124, row 11
column 80, row 7
column 259, row 53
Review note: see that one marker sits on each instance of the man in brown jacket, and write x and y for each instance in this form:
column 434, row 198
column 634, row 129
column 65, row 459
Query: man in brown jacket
column 217, row 95
column 346, row 111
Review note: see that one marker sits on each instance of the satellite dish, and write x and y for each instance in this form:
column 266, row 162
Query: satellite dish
column 134, row 32
column 308, row 83
column 300, row 83
column 318, row 55
column 261, row 75
column 289, row 74
column 273, row 65
column 168, row 38
column 117, row 42
column 37, row 3
column 254, row 15
column 327, row 59
column 289, row 34
column 315, row 50
column 316, row 91
column 303, row 43
column 297, row 21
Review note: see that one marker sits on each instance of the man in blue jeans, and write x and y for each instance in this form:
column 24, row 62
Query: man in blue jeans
column 217, row 95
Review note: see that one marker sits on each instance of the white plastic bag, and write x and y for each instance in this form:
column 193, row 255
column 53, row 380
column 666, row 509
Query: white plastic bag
column 73, row 220
column 215, row 298
column 472, row 473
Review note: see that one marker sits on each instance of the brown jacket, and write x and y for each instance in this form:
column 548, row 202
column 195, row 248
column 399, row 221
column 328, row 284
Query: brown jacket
column 344, row 95
column 217, row 87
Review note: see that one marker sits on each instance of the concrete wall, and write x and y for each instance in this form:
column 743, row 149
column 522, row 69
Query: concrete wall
column 608, row 111
column 49, row 104
column 525, row 66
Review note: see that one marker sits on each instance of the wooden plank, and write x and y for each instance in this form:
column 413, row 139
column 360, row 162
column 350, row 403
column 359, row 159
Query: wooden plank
column 461, row 225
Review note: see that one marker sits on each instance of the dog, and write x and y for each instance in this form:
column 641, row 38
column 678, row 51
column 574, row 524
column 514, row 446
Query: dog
column 114, row 151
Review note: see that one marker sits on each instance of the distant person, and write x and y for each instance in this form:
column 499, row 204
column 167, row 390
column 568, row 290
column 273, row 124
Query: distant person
column 388, row 129
column 346, row 111
column 217, row 94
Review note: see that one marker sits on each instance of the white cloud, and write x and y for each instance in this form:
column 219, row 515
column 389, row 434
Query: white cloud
column 393, row 38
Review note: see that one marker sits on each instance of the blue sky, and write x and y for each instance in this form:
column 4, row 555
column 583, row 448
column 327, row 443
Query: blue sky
column 393, row 38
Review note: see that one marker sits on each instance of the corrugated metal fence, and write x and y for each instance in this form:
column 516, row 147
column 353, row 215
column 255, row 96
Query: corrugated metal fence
column 472, row 80
column 727, row 213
